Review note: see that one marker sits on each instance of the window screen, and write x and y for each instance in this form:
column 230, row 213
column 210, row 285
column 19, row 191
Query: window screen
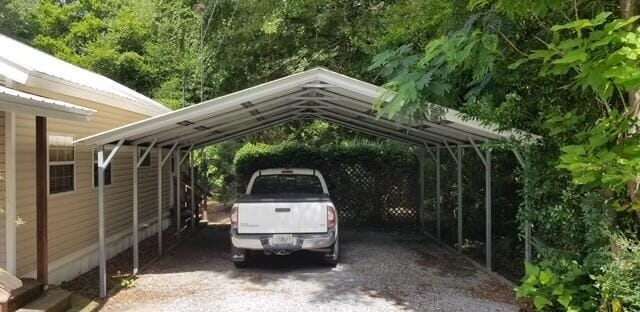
column 61, row 164
column 278, row 184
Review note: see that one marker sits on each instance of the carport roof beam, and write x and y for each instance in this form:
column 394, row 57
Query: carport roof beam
column 176, row 131
column 215, row 129
column 247, row 131
column 388, row 133
column 422, row 132
column 368, row 131
column 249, row 126
column 350, row 99
column 432, row 125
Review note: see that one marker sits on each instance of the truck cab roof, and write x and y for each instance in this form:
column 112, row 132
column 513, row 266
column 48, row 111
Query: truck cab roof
column 287, row 172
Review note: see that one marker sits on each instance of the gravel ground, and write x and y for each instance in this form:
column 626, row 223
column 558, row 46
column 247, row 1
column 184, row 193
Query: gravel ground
column 379, row 271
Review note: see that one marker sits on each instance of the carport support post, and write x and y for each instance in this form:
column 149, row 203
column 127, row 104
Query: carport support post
column 439, row 232
column 527, row 225
column 193, row 192
column 178, row 185
column 160, row 162
column 103, row 163
column 459, row 187
column 486, row 161
column 135, row 210
column 489, row 251
column 421, row 205
column 102, row 256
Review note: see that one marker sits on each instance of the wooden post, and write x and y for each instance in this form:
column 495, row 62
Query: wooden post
column 41, row 201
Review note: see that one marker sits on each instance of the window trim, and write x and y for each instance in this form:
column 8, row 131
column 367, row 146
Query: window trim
column 74, row 163
column 95, row 161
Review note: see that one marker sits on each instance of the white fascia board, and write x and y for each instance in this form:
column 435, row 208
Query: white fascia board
column 26, row 106
column 10, row 191
column 13, row 72
column 61, row 86
column 202, row 109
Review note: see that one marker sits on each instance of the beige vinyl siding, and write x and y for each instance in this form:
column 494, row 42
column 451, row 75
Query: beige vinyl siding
column 73, row 216
column 3, row 215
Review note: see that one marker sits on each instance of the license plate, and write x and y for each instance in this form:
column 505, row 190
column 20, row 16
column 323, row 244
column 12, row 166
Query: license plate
column 282, row 239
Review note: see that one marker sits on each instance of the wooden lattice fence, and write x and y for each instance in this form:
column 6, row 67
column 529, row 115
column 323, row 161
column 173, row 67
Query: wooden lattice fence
column 371, row 185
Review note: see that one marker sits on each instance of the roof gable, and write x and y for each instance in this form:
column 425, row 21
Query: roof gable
column 317, row 93
column 27, row 65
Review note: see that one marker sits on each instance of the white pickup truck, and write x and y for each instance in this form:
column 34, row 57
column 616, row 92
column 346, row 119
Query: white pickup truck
column 282, row 211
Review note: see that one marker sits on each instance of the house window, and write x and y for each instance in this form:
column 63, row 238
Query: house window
column 107, row 171
column 147, row 161
column 61, row 164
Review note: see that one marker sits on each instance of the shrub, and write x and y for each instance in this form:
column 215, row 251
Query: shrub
column 570, row 289
column 620, row 278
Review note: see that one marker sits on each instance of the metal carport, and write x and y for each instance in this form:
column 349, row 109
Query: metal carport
column 314, row 94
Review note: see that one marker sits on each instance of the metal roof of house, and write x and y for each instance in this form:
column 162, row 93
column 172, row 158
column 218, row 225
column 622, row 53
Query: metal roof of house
column 314, row 94
column 22, row 102
column 27, row 65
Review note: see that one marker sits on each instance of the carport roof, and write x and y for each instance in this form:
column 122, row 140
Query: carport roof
column 314, row 94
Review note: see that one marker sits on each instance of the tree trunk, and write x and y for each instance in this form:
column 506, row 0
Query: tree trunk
column 628, row 8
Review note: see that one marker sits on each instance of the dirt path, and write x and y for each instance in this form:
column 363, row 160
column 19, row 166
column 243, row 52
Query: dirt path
column 379, row 271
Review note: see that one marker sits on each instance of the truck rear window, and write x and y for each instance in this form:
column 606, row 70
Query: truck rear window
column 279, row 184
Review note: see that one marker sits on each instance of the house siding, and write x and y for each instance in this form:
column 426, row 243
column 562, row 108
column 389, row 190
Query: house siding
column 73, row 216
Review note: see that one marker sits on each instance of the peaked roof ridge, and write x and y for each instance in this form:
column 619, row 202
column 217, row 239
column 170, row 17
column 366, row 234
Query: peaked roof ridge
column 21, row 62
column 348, row 102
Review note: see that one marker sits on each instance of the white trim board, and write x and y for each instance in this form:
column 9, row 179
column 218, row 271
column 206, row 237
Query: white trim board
column 10, row 190
column 86, row 259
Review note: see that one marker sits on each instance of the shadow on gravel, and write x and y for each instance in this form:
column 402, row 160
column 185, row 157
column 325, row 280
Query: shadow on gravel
column 396, row 269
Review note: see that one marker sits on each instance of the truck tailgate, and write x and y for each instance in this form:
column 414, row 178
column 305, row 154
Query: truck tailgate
column 263, row 217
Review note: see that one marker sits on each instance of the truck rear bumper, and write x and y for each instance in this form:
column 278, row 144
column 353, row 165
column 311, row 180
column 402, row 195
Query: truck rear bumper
column 300, row 241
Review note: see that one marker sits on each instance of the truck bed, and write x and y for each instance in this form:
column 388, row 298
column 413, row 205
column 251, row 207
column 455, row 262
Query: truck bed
column 282, row 214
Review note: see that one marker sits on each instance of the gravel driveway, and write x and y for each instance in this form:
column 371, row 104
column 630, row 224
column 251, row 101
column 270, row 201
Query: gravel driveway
column 379, row 271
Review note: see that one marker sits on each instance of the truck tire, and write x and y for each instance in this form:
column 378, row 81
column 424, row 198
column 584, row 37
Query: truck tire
column 236, row 253
column 331, row 258
column 240, row 264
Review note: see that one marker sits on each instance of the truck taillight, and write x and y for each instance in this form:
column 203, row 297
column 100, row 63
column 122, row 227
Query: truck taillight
column 234, row 216
column 331, row 217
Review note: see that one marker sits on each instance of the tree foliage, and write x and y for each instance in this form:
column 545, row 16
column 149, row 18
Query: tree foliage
column 565, row 70
column 557, row 68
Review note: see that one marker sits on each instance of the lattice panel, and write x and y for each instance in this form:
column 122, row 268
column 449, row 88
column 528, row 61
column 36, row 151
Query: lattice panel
column 368, row 191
